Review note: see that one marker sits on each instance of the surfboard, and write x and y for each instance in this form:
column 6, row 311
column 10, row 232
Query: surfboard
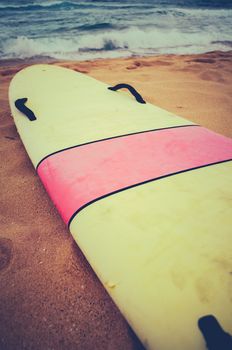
column 146, row 195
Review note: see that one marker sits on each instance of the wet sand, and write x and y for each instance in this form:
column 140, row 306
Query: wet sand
column 49, row 296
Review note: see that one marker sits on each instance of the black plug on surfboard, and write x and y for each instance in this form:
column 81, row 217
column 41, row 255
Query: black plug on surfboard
column 216, row 338
column 20, row 105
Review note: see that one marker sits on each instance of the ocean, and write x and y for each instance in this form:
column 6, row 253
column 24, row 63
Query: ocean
column 79, row 30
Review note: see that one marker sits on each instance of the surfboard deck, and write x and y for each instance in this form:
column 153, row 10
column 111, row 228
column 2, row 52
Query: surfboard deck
column 146, row 195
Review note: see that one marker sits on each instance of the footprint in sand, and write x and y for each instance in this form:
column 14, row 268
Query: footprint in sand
column 138, row 64
column 212, row 75
column 204, row 60
column 7, row 72
column 8, row 132
column 6, row 248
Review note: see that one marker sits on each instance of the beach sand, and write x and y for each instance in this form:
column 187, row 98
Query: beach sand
column 49, row 296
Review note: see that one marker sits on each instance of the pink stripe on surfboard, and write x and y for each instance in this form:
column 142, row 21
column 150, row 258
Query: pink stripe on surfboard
column 77, row 176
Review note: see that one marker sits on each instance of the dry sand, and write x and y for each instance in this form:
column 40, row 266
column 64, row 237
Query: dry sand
column 49, row 296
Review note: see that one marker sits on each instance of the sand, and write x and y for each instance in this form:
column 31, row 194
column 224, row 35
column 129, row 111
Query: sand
column 49, row 296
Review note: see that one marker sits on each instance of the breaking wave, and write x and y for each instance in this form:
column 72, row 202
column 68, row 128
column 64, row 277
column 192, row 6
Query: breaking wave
column 127, row 42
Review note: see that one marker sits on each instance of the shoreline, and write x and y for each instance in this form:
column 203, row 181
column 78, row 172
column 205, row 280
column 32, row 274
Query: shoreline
column 51, row 298
column 49, row 59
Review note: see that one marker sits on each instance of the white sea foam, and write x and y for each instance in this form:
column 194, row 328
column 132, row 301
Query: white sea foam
column 110, row 44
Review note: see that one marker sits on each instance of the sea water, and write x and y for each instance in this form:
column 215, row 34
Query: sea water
column 74, row 29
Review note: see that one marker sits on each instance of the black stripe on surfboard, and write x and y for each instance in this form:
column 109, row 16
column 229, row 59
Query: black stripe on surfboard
column 114, row 137
column 143, row 183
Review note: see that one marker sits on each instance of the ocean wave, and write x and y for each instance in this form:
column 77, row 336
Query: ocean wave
column 97, row 27
column 44, row 5
column 129, row 9
column 64, row 4
column 227, row 43
column 128, row 42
